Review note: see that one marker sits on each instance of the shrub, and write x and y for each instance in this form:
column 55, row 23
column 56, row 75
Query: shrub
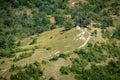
column 3, row 62
column 18, row 44
column 65, row 70
column 55, row 58
column 44, row 62
column 52, row 78
column 33, row 41
column 8, row 22
column 63, row 56
column 116, row 33
column 48, row 48
column 68, row 24
column 30, row 71
column 23, row 55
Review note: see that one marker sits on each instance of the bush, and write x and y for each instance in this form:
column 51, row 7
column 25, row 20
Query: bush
column 8, row 22
column 52, row 78
column 33, row 41
column 48, row 48
column 68, row 24
column 30, row 71
column 20, row 76
column 116, row 33
column 23, row 55
column 3, row 53
column 94, row 33
column 14, row 67
column 3, row 62
column 63, row 56
column 65, row 70
column 44, row 62
column 59, row 19
column 18, row 44
column 55, row 58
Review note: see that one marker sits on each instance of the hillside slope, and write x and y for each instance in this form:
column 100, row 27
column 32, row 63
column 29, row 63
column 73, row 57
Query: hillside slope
column 59, row 40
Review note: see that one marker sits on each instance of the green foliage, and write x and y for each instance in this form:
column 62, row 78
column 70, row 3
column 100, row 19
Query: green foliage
column 20, row 76
column 7, row 42
column 89, row 45
column 96, row 11
column 105, row 33
column 22, row 18
column 6, row 53
column 62, row 55
column 48, row 48
column 3, row 53
column 59, row 19
column 44, row 62
column 94, row 33
column 18, row 44
column 3, row 62
column 52, row 78
column 68, row 25
column 93, row 54
column 55, row 58
column 8, row 22
column 65, row 70
column 116, row 33
column 33, row 41
column 23, row 55
column 102, row 72
column 31, row 71
column 14, row 67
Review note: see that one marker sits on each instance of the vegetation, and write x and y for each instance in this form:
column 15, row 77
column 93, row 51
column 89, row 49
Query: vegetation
column 23, row 55
column 34, row 17
column 116, row 33
column 14, row 67
column 27, row 25
column 102, row 72
column 33, row 41
column 31, row 71
column 64, row 70
column 52, row 78
column 93, row 55
column 55, row 58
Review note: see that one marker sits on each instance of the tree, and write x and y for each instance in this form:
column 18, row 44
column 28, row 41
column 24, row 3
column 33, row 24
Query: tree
column 2, row 42
column 65, row 70
column 20, row 76
column 116, row 33
column 59, row 19
column 15, row 3
column 51, row 78
column 68, row 24
column 8, row 22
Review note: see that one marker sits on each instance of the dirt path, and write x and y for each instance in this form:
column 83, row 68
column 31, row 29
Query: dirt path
column 4, row 71
column 85, row 42
column 82, row 37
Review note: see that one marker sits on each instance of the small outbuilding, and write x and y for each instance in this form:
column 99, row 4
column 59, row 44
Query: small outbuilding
column 78, row 26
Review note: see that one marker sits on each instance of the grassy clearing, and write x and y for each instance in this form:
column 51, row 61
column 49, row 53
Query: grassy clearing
column 49, row 44
column 59, row 41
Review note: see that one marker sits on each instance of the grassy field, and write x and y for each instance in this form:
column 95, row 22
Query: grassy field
column 49, row 44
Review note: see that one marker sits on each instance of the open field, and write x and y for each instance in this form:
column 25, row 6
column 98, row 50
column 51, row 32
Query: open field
column 49, row 44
